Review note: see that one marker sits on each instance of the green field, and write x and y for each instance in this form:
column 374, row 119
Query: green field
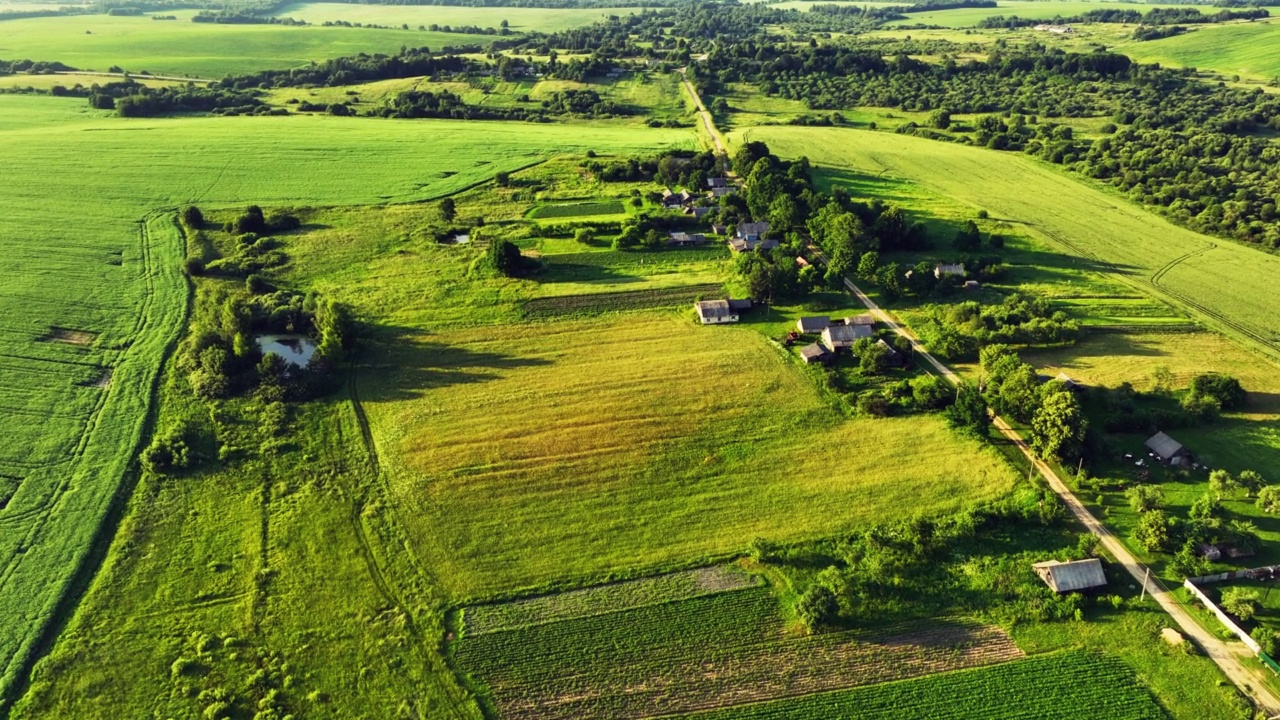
column 519, row 19
column 208, row 50
column 1066, row 686
column 688, row 654
column 1224, row 284
column 94, row 284
column 1031, row 9
column 618, row 457
column 1250, row 50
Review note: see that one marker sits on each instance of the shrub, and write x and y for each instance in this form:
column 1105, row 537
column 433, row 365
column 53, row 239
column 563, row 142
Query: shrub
column 1241, row 602
column 1144, row 498
column 817, row 607
column 192, row 217
column 762, row 550
column 167, row 452
column 194, row 266
column 1269, row 499
column 1223, row 388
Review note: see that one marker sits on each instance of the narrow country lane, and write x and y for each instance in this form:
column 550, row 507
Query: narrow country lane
column 1228, row 658
column 703, row 113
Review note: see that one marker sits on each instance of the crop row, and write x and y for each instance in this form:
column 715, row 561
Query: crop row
column 603, row 207
column 605, row 599
column 702, row 653
column 606, row 302
column 683, row 256
column 1063, row 686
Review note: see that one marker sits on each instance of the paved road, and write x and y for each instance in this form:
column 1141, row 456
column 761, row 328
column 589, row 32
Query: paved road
column 703, row 113
column 1229, row 658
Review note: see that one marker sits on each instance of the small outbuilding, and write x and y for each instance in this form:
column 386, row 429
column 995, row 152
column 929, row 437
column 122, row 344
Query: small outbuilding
column 895, row 357
column 944, row 269
column 1064, row 577
column 715, row 312
column 810, row 325
column 837, row 337
column 1068, row 383
column 1168, row 449
column 683, row 239
column 814, row 353
column 863, row 319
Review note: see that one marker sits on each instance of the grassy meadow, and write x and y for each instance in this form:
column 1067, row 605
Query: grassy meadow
column 1031, row 9
column 599, row 442
column 204, row 50
column 1250, row 50
column 1219, row 282
column 519, row 19
column 94, row 292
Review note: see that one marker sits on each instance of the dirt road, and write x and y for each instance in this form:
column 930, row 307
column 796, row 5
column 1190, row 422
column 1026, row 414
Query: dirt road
column 703, row 113
column 1229, row 658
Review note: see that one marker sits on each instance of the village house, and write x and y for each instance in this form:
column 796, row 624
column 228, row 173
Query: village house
column 814, row 353
column 943, row 269
column 670, row 199
column 683, row 239
column 752, row 236
column 863, row 319
column 719, row 229
column 720, row 192
column 811, row 325
column 715, row 312
column 1168, row 449
column 698, row 211
column 1065, row 577
column 717, row 182
column 838, row 337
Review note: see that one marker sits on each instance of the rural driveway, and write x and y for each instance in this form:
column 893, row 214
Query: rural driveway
column 1227, row 658
column 703, row 113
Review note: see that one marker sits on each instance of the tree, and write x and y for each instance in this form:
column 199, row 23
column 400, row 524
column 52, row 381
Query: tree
column 1221, row 483
column 1207, row 507
column 968, row 238
column 1269, row 499
column 818, row 607
column 969, row 412
column 505, row 257
column 1221, row 387
column 1058, row 427
column 940, row 119
column 503, row 179
column 448, row 209
column 1154, row 531
column 873, row 358
column 584, row 236
column 930, row 392
column 1241, row 602
column 761, row 550
column 868, row 265
column 192, row 217
column 1251, row 482
column 1145, row 498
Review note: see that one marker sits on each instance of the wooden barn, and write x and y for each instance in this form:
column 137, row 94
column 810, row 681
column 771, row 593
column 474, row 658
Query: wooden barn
column 1064, row 577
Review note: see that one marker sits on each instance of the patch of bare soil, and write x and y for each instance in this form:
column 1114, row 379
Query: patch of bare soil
column 69, row 336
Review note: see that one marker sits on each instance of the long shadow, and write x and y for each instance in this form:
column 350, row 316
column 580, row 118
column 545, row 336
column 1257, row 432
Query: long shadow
column 554, row 272
column 401, row 363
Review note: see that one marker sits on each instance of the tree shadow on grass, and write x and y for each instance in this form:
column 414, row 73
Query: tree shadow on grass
column 404, row 363
column 556, row 272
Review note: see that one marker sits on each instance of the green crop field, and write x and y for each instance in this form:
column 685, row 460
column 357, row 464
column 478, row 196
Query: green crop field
column 519, row 19
column 719, row 650
column 93, row 292
column 208, row 50
column 1218, row 281
column 1064, row 686
column 608, row 207
column 1250, row 50
column 1032, row 9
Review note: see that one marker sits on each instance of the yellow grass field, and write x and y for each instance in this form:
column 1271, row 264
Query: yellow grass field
column 542, row 453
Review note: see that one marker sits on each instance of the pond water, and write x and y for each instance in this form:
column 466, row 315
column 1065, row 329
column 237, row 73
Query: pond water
column 295, row 349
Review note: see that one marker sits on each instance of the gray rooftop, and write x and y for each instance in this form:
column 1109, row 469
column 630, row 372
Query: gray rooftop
column 1071, row 576
column 1164, row 446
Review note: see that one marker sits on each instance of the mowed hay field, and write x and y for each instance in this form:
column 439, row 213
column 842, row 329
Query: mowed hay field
column 527, row 455
column 92, row 291
column 1251, row 50
column 206, row 50
column 1223, row 283
column 519, row 19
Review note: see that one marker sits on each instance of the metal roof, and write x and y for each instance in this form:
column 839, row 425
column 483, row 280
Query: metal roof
column 1164, row 446
column 1071, row 576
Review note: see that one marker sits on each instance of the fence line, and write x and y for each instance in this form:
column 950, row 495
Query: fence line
column 1222, row 616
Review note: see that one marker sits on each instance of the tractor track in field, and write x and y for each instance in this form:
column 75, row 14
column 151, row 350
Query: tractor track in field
column 376, row 573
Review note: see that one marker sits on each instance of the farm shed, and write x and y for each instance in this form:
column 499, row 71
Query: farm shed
column 896, row 358
column 743, row 245
column 972, row 285
column 1167, row 449
column 740, row 305
column 719, row 229
column 813, row 324
column 836, row 337
column 863, row 319
column 683, row 239
column 717, row 182
column 942, row 269
column 1071, row 576
column 1068, row 383
column 698, row 211
column 753, row 231
column 715, row 312
column 814, row 353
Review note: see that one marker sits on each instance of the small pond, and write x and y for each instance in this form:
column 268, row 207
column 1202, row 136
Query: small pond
column 295, row 349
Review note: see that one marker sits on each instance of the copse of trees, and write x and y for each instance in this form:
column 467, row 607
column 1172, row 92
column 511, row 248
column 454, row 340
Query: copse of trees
column 958, row 331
